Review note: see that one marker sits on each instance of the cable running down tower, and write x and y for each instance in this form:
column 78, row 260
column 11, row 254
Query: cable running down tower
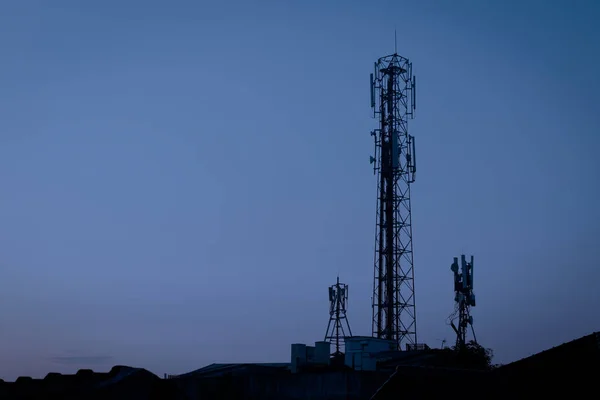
column 394, row 162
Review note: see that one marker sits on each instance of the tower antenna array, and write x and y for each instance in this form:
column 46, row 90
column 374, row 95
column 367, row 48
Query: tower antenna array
column 338, row 324
column 464, row 299
column 393, row 99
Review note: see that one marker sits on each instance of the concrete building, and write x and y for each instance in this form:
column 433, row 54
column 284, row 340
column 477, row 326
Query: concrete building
column 362, row 352
column 303, row 355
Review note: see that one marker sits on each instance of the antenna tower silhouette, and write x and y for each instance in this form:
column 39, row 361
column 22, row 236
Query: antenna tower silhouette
column 464, row 299
column 338, row 324
column 393, row 99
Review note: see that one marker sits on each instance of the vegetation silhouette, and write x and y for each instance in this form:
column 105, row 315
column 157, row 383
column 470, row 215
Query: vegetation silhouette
column 471, row 356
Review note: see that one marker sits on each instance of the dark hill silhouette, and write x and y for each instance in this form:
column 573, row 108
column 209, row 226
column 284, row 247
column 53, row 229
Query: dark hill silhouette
column 122, row 382
column 570, row 368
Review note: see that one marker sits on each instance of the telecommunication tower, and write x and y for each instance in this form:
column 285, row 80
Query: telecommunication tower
column 338, row 322
column 464, row 299
column 393, row 99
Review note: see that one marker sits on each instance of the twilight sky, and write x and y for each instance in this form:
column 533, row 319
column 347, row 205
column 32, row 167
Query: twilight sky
column 181, row 181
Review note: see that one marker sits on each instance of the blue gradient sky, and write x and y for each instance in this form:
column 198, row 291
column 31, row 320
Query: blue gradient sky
column 181, row 181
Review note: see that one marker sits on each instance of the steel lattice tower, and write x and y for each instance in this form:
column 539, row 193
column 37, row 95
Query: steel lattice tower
column 338, row 327
column 464, row 299
column 393, row 102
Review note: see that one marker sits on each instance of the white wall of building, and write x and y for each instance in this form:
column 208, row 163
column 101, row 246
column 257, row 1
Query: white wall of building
column 361, row 351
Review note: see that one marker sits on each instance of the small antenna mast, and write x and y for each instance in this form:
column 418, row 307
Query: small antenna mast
column 395, row 43
column 338, row 327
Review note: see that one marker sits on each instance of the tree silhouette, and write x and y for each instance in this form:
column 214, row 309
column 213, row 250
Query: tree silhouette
column 470, row 356
column 474, row 355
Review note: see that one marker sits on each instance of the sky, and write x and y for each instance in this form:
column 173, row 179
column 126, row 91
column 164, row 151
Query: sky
column 181, row 181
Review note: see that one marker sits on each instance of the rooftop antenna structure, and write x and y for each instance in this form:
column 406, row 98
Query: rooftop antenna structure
column 393, row 100
column 338, row 324
column 464, row 299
